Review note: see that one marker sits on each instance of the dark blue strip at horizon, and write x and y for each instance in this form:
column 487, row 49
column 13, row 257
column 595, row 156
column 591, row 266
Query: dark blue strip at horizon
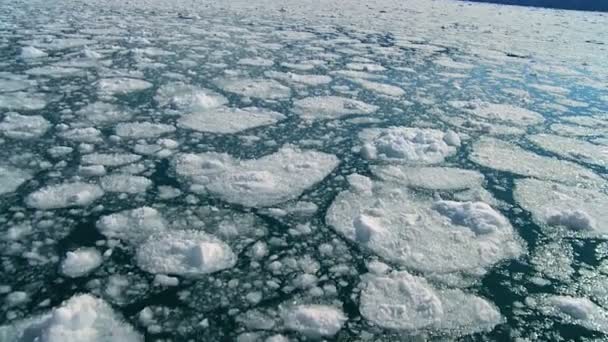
column 580, row 5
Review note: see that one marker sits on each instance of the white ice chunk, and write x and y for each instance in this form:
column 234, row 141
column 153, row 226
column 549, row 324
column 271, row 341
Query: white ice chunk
column 266, row 181
column 125, row 183
column 11, row 178
column 504, row 113
column 80, row 262
column 258, row 88
column 575, row 310
column 314, row 320
column 139, row 130
column 330, row 107
column 229, row 120
column 404, row 302
column 121, row 85
column 81, row 318
column 30, row 52
column 103, row 113
column 504, row 156
column 109, row 159
column 406, row 144
column 76, row 194
column 86, row 134
column 572, row 148
column 435, row 178
column 18, row 126
column 22, row 101
column 186, row 253
column 573, row 207
column 133, row 226
column 187, row 97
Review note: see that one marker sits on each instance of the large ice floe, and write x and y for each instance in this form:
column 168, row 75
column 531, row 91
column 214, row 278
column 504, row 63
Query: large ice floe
column 187, row 97
column 410, row 304
column 17, row 126
column 557, row 205
column 81, row 318
column 133, row 226
column 330, row 107
column 501, row 113
column 314, row 321
column 257, row 88
column 76, row 194
column 186, row 253
column 506, row 156
column 429, row 235
column 11, row 178
column 572, row 148
column 229, row 120
column 408, row 144
column 265, row 181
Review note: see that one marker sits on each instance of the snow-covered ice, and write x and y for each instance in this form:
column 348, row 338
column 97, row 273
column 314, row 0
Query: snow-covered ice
column 330, row 107
column 229, row 120
column 75, row 194
column 80, row 262
column 314, row 320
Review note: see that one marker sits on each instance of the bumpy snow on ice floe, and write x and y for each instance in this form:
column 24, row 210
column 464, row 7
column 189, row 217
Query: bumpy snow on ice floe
column 408, row 144
column 504, row 156
column 269, row 180
column 229, row 120
column 408, row 303
column 76, row 194
column 186, row 253
column 559, row 205
column 429, row 235
column 81, row 318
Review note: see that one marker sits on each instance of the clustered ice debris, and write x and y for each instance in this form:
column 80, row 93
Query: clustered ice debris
column 76, row 194
column 265, row 181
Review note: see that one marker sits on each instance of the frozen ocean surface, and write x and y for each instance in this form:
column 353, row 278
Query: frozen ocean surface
column 302, row 170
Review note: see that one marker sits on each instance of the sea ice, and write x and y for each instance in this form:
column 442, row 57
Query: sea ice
column 80, row 262
column 259, row 88
column 330, row 107
column 76, row 194
column 133, row 226
column 314, row 321
column 229, row 120
column 125, row 183
column 142, row 130
column 11, row 178
column 121, row 85
column 17, row 126
column 188, row 98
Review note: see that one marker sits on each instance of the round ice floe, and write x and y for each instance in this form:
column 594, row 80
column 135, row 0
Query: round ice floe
column 80, row 262
column 556, row 204
column 269, row 180
column 431, row 236
column 500, row 112
column 103, row 112
column 133, row 226
column 188, row 97
column 576, row 310
column 229, row 120
column 121, row 85
column 81, row 318
column 18, row 126
column 408, row 303
column 11, row 178
column 504, row 156
column 314, row 321
column 258, row 88
column 330, row 107
column 407, row 144
column 436, row 178
column 64, row 195
column 142, row 130
column 125, row 183
column 572, row 148
column 22, row 101
column 186, row 253
column 110, row 159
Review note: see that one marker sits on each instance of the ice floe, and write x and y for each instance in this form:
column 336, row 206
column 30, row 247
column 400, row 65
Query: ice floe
column 125, row 183
column 11, row 178
column 81, row 318
column 103, row 113
column 265, row 181
column 187, row 97
column 408, row 144
column 142, row 130
column 409, row 303
column 110, row 159
column 75, row 194
column 428, row 235
column 504, row 113
column 30, row 52
column 17, row 126
column 22, row 101
column 229, row 120
column 314, row 320
column 121, row 85
column 187, row 253
column 258, row 88
column 330, row 107
column 133, row 226
column 506, row 156
column 572, row 148
column 80, row 262
column 559, row 205
column 574, row 310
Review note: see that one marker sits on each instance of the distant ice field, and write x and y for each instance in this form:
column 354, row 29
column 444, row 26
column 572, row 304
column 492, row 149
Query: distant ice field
column 302, row 171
